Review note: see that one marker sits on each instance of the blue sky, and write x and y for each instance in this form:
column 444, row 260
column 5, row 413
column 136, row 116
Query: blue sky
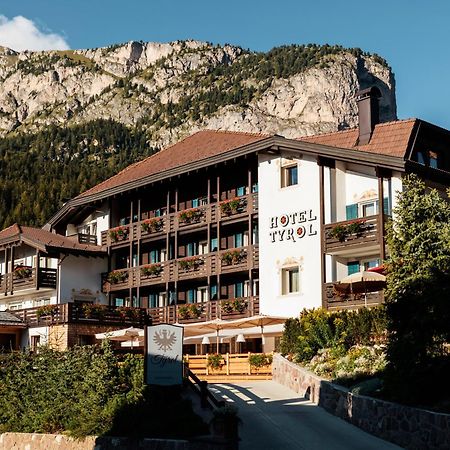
column 414, row 36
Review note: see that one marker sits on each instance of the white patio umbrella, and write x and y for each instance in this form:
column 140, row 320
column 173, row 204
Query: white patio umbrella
column 123, row 335
column 260, row 320
column 361, row 282
column 194, row 329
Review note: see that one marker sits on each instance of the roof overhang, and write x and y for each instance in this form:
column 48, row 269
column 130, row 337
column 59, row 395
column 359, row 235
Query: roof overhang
column 274, row 144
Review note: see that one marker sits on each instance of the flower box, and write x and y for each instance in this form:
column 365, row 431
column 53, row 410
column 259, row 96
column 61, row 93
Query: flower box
column 233, row 206
column 119, row 234
column 22, row 272
column 192, row 215
column 152, row 225
column 117, row 276
column 191, row 311
column 233, row 257
column 151, row 270
column 191, row 263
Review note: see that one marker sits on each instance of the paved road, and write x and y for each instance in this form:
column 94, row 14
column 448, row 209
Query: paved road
column 274, row 417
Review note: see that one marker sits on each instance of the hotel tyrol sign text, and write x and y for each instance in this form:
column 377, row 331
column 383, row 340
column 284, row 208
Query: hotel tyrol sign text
column 293, row 226
column 164, row 355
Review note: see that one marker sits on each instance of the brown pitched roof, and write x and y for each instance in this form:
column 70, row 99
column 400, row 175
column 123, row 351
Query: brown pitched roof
column 46, row 240
column 390, row 138
column 8, row 319
column 201, row 145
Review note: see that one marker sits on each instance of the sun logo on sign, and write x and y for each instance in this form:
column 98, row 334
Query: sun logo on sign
column 164, row 340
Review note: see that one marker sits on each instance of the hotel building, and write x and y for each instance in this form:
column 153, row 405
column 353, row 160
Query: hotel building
column 221, row 224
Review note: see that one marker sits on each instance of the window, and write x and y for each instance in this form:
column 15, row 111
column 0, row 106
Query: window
column 255, row 188
column 240, row 191
column 214, row 245
column 434, row 160
column 369, row 209
column 351, row 211
column 153, row 300
column 35, row 342
column 352, row 267
column 420, row 158
column 238, row 289
column 290, row 176
column 238, row 240
column 202, row 201
column 86, row 339
column 153, row 256
column 192, row 249
column 119, row 302
column 195, row 202
column 213, row 292
column 41, row 302
column 202, row 294
column 371, row 264
column 290, row 281
column 191, row 295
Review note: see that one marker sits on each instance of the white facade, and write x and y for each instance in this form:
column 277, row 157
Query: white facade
column 79, row 279
column 289, row 236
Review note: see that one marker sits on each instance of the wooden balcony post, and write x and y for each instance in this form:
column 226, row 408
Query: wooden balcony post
column 5, row 277
column 36, row 280
column 322, row 228
column 12, row 270
column 381, row 214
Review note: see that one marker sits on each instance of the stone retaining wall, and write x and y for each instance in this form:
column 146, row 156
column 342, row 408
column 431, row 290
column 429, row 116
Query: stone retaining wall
column 35, row 441
column 408, row 427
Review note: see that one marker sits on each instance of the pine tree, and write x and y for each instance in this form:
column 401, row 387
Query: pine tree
column 418, row 296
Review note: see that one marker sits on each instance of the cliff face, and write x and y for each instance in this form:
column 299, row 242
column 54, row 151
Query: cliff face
column 173, row 89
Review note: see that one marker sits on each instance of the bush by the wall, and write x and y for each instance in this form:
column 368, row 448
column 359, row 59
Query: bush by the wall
column 81, row 391
column 318, row 329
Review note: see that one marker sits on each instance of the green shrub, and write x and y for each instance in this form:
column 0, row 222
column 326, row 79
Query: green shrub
column 318, row 329
column 259, row 360
column 87, row 391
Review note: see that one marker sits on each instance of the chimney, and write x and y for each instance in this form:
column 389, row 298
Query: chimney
column 368, row 113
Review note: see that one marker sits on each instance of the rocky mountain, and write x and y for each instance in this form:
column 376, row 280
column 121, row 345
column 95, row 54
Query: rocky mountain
column 70, row 119
column 175, row 88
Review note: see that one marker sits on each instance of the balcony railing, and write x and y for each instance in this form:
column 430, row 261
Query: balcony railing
column 187, row 219
column 83, row 313
column 335, row 300
column 339, row 236
column 201, row 312
column 25, row 278
column 87, row 239
column 215, row 263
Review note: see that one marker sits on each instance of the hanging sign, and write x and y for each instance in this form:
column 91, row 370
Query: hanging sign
column 293, row 226
column 164, row 355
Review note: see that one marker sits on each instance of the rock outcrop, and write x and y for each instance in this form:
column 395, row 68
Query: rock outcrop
column 152, row 85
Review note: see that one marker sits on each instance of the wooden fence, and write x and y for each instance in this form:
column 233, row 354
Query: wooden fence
column 230, row 364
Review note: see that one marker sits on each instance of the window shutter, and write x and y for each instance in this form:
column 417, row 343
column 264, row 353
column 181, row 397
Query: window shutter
column 351, row 211
column 386, row 206
column 352, row 267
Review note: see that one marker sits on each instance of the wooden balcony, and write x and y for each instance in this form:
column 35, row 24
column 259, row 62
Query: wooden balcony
column 246, row 307
column 85, row 313
column 87, row 239
column 200, row 266
column 187, row 220
column 334, row 300
column 340, row 237
column 25, row 278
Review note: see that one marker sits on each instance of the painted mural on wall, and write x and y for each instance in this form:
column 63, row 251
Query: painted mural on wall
column 293, row 227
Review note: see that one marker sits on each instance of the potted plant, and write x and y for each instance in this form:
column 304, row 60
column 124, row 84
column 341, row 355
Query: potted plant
column 239, row 305
column 128, row 312
column 190, row 215
column 47, row 311
column 119, row 233
column 21, row 272
column 259, row 360
column 151, row 270
column 117, row 276
column 233, row 206
column 225, row 423
column 91, row 310
column 191, row 311
column 192, row 262
column 233, row 257
column 152, row 225
column 215, row 361
column 226, row 307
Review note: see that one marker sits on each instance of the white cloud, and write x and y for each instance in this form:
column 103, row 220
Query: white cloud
column 20, row 33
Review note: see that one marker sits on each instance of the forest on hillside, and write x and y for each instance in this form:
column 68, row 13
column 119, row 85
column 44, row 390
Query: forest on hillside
column 39, row 172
